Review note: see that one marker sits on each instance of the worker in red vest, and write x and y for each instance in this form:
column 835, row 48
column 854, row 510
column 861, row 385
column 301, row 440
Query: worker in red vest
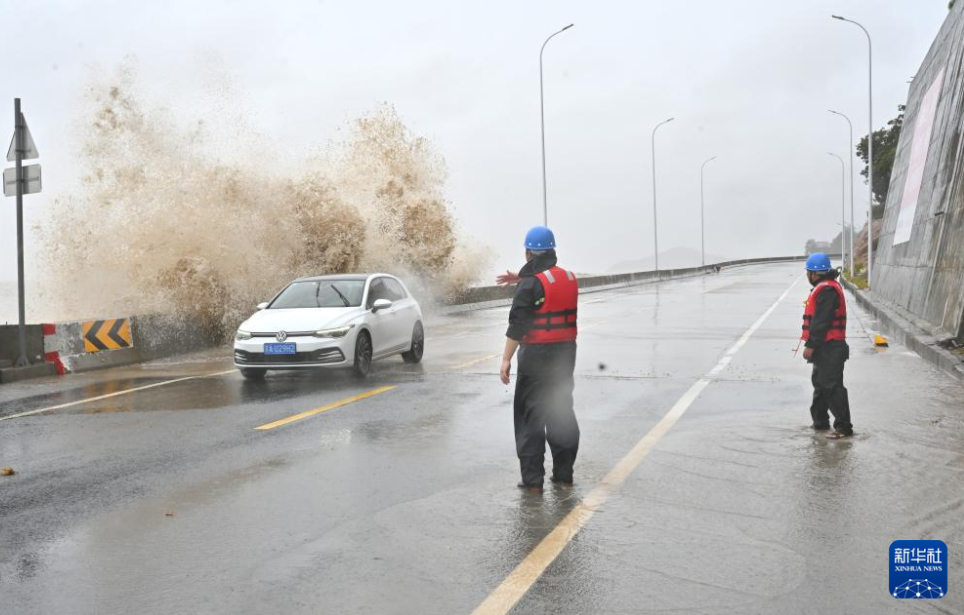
column 825, row 337
column 542, row 326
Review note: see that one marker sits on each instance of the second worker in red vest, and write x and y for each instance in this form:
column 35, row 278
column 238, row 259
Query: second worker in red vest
column 542, row 326
column 825, row 335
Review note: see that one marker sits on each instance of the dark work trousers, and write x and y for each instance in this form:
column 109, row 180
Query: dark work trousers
column 544, row 410
column 829, row 392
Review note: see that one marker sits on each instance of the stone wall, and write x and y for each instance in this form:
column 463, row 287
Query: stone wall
column 925, row 275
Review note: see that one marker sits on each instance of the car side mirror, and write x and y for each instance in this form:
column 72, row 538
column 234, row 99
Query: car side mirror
column 381, row 304
column 262, row 305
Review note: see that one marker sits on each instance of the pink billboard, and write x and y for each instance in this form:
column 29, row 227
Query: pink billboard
column 919, row 147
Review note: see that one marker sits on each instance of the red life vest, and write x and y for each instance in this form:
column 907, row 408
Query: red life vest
column 838, row 326
column 555, row 320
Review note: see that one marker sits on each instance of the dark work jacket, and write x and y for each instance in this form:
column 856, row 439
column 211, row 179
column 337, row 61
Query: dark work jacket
column 547, row 362
column 529, row 296
column 827, row 303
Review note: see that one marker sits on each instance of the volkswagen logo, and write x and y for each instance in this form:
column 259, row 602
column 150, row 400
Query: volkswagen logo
column 281, row 336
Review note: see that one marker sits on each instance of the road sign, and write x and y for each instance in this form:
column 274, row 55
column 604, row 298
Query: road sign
column 111, row 334
column 31, row 180
column 29, row 147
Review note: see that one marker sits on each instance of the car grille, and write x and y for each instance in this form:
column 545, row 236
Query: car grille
column 324, row 355
column 290, row 334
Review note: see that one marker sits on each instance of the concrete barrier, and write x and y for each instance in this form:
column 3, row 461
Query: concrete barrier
column 493, row 296
column 68, row 344
column 36, row 354
column 153, row 336
column 10, row 344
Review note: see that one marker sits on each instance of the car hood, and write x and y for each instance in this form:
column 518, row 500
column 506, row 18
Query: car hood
column 305, row 319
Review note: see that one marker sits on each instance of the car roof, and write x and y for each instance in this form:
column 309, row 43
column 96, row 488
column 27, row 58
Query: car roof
column 346, row 276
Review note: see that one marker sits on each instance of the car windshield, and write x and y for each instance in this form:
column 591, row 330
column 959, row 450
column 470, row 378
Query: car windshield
column 320, row 294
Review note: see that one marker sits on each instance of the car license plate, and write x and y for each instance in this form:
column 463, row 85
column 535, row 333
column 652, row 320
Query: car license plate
column 279, row 349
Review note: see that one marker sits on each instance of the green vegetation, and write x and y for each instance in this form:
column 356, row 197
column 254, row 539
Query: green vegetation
column 859, row 280
column 885, row 149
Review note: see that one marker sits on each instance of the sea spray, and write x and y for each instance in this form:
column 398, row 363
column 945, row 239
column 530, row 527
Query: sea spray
column 161, row 224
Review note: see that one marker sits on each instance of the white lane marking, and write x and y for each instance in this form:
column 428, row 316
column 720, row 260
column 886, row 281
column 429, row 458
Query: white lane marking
column 114, row 394
column 520, row 580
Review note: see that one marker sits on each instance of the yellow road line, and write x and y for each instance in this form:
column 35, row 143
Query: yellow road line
column 520, row 580
column 475, row 361
column 331, row 406
column 115, row 394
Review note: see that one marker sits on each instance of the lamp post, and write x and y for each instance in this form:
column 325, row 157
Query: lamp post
column 850, row 145
column 542, row 120
column 870, row 145
column 843, row 203
column 702, row 221
column 655, row 231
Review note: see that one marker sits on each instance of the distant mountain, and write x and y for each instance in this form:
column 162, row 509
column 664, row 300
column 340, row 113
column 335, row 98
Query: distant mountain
column 674, row 258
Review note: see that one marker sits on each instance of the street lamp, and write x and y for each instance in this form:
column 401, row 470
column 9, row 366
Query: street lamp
column 655, row 233
column 843, row 203
column 870, row 144
column 850, row 145
column 542, row 119
column 702, row 223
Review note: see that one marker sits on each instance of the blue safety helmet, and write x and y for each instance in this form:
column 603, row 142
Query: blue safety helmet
column 540, row 238
column 819, row 262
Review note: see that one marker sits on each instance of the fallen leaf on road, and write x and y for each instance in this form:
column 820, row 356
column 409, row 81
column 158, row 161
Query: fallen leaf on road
column 7, row 471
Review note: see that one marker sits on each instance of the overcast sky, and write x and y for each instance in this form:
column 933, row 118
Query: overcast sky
column 748, row 81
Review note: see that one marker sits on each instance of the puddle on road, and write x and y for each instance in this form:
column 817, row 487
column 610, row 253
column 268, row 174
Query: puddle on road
column 94, row 389
column 222, row 392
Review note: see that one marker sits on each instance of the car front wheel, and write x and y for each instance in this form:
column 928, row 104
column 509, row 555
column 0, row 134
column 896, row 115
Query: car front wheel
column 414, row 355
column 363, row 355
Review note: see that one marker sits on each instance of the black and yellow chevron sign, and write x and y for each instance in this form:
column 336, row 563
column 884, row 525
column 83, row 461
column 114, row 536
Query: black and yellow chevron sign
column 108, row 334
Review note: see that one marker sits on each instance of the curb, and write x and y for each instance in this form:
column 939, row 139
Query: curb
column 37, row 370
column 909, row 331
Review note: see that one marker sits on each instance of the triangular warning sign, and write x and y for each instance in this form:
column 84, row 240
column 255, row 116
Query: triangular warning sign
column 30, row 148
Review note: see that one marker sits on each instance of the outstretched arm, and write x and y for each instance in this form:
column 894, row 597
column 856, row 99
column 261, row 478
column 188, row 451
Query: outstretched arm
column 507, row 279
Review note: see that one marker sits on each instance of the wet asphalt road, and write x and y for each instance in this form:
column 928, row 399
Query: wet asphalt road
column 168, row 500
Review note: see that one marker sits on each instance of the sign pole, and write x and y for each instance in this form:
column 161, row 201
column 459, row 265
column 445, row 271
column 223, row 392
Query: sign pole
column 22, row 360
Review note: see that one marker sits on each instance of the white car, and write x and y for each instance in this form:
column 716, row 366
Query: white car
column 331, row 321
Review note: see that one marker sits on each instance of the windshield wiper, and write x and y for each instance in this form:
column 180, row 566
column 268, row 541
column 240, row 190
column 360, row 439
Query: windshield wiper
column 343, row 297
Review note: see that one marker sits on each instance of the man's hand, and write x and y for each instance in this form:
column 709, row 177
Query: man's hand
column 511, row 346
column 808, row 353
column 504, row 371
column 507, row 279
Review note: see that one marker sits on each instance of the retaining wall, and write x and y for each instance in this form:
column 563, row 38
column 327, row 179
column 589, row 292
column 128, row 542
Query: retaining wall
column 925, row 274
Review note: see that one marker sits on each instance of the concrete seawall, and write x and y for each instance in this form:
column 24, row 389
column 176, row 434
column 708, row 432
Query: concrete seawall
column 487, row 296
column 919, row 263
column 78, row 346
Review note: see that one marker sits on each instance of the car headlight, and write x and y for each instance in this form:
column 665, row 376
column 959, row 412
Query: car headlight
column 242, row 335
column 336, row 332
